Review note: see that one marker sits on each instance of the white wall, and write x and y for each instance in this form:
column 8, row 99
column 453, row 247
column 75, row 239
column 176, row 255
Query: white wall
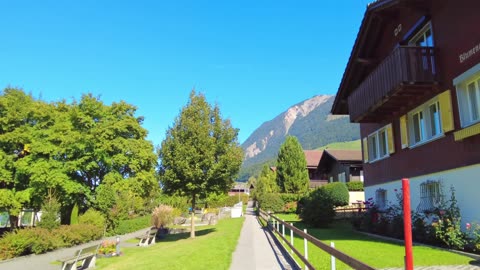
column 356, row 196
column 465, row 180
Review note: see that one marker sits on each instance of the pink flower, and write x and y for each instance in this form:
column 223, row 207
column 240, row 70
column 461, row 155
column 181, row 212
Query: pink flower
column 442, row 212
column 395, row 190
column 468, row 226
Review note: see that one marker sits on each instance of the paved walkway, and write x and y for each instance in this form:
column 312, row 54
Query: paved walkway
column 44, row 261
column 256, row 250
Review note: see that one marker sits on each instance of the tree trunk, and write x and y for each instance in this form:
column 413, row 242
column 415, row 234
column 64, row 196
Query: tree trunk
column 13, row 222
column 192, row 222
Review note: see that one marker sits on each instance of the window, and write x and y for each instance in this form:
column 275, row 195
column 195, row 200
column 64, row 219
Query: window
column 380, row 144
column 381, row 198
column 431, row 196
column 468, row 93
column 425, row 122
column 424, row 38
column 341, row 177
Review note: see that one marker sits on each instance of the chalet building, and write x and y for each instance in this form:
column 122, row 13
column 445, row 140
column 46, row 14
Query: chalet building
column 313, row 158
column 341, row 166
column 413, row 84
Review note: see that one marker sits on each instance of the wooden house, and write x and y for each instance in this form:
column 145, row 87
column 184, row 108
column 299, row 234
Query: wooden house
column 313, row 158
column 341, row 165
column 413, row 83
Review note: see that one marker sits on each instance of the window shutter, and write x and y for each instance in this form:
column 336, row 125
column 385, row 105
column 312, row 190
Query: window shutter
column 391, row 143
column 365, row 150
column 404, row 131
column 445, row 101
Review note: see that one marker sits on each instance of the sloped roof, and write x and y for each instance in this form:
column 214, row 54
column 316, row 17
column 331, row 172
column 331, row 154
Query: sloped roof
column 345, row 155
column 313, row 157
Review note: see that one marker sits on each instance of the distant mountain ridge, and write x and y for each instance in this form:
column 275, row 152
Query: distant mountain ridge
column 310, row 121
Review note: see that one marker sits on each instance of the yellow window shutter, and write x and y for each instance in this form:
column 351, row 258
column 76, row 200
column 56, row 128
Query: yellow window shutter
column 391, row 143
column 365, row 150
column 445, row 100
column 404, row 131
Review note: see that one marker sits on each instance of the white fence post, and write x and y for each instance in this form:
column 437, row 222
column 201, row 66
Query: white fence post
column 291, row 238
column 333, row 258
column 305, row 245
column 283, row 230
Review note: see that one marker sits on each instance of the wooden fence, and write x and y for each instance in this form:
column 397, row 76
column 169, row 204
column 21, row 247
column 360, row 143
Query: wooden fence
column 278, row 226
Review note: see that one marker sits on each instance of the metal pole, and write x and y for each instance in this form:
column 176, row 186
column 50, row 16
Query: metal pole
column 333, row 257
column 305, row 246
column 407, row 224
column 291, row 238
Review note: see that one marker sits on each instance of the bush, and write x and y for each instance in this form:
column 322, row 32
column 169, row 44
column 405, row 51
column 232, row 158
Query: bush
column 217, row 201
column 318, row 208
column 74, row 215
column 50, row 218
column 338, row 193
column 355, row 186
column 271, row 202
column 92, row 217
column 133, row 225
column 162, row 216
column 40, row 240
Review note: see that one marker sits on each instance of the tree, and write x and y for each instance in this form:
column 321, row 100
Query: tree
column 200, row 153
column 266, row 182
column 292, row 174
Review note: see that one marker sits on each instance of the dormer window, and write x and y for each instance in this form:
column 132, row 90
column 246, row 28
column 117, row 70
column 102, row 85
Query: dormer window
column 423, row 38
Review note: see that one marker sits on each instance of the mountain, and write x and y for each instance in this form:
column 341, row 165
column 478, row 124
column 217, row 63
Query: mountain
column 310, row 121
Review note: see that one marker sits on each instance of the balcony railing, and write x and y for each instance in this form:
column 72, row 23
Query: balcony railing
column 406, row 70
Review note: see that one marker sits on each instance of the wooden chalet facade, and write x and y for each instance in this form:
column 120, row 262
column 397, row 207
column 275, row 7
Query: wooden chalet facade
column 413, row 84
column 341, row 165
column 313, row 158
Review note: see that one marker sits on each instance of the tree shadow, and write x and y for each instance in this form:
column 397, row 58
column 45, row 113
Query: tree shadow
column 185, row 235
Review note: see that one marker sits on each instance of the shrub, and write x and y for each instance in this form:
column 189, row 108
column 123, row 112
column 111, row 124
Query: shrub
column 74, row 215
column 92, row 217
column 318, row 208
column 178, row 202
column 271, row 202
column 162, row 216
column 355, row 186
column 447, row 229
column 338, row 193
column 133, row 225
column 290, row 207
column 50, row 218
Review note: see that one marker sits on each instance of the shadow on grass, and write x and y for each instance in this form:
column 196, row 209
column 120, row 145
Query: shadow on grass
column 185, row 235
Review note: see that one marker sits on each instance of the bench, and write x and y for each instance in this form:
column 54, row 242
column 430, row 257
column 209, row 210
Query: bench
column 83, row 258
column 148, row 238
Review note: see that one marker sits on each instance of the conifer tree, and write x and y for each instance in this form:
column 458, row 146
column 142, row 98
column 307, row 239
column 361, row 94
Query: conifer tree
column 292, row 174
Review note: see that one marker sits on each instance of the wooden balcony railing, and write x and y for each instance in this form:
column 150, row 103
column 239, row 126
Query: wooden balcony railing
column 407, row 69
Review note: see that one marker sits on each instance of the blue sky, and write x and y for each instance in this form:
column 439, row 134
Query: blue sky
column 254, row 58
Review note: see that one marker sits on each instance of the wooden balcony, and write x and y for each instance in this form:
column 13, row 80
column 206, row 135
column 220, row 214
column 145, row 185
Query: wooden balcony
column 402, row 79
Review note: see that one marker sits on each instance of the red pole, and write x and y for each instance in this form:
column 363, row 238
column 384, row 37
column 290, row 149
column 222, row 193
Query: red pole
column 407, row 223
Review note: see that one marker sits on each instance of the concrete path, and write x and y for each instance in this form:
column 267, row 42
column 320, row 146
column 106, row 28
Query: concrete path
column 44, row 261
column 256, row 250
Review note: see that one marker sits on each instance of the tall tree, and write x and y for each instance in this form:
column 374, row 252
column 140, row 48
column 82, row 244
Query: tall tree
column 200, row 153
column 292, row 174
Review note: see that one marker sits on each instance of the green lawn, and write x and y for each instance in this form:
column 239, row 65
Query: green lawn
column 211, row 249
column 372, row 251
column 351, row 145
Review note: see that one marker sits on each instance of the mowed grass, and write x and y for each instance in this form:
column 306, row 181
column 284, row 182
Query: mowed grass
column 372, row 251
column 350, row 145
column 211, row 249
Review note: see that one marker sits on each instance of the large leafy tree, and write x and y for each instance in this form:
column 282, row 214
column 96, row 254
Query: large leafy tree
column 71, row 149
column 200, row 153
column 292, row 174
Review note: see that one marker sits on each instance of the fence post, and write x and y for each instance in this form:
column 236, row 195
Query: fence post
column 283, row 230
column 305, row 246
column 407, row 219
column 278, row 227
column 291, row 238
column 333, row 258
column 274, row 222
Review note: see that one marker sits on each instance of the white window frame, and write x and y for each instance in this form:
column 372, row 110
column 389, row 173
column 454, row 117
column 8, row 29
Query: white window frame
column 374, row 142
column 423, row 125
column 465, row 102
column 421, row 35
column 381, row 198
